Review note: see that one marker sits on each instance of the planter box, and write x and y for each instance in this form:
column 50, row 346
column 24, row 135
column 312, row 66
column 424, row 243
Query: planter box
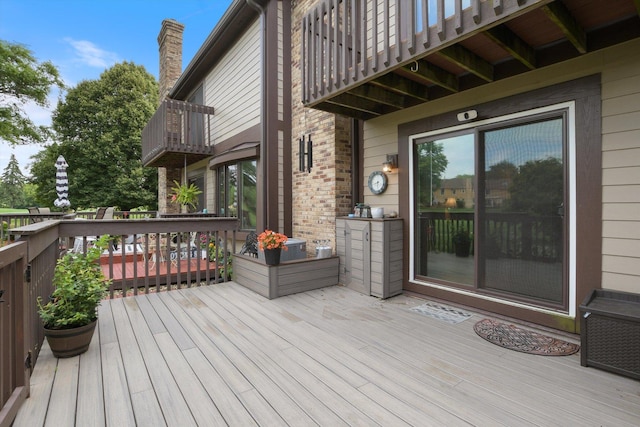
column 273, row 281
column 610, row 332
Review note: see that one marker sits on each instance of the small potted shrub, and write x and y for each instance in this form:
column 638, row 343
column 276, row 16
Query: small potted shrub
column 462, row 242
column 70, row 315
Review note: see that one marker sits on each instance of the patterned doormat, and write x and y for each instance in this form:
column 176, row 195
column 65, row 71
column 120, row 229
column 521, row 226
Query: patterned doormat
column 518, row 339
column 442, row 312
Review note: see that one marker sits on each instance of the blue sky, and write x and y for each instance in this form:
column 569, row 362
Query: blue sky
column 85, row 37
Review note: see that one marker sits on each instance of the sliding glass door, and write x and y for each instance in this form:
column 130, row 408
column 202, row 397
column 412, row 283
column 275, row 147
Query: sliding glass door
column 489, row 208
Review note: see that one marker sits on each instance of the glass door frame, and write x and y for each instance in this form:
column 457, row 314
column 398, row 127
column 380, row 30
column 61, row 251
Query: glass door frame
column 569, row 306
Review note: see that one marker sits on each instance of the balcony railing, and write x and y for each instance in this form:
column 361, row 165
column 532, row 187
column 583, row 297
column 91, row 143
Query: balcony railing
column 179, row 133
column 367, row 58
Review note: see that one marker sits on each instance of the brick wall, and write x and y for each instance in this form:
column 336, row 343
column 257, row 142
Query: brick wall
column 325, row 193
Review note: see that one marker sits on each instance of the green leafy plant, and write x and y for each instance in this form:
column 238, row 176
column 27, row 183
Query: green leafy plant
column 462, row 242
column 186, row 195
column 80, row 285
column 216, row 253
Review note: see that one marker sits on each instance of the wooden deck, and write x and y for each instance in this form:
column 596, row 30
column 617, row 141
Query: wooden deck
column 222, row 355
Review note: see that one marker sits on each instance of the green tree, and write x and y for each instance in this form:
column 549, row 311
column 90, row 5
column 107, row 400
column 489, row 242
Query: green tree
column 12, row 192
column 23, row 80
column 432, row 163
column 99, row 127
column 502, row 170
column 538, row 187
column 43, row 175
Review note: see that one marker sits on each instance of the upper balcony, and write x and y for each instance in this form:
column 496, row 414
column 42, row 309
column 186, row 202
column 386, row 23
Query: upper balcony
column 367, row 58
column 178, row 134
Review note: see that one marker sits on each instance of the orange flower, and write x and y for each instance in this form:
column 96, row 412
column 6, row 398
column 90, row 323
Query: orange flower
column 271, row 240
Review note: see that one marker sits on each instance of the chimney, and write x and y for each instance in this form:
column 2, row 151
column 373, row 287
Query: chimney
column 170, row 46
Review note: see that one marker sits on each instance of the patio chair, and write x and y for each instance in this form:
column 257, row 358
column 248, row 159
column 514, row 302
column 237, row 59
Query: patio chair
column 34, row 211
column 100, row 213
column 153, row 250
column 108, row 213
column 250, row 246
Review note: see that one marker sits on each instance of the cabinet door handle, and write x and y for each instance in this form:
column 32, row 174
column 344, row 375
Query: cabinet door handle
column 366, row 236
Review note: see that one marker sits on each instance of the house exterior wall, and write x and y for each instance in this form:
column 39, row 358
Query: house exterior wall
column 323, row 194
column 233, row 87
column 619, row 68
column 621, row 169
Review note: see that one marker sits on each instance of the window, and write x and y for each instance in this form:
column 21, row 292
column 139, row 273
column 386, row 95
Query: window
column 237, row 192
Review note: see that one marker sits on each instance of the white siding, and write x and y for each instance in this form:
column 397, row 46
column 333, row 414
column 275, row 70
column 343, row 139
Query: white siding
column 232, row 88
column 620, row 70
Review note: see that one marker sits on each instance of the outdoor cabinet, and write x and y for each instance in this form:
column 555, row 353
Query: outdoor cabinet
column 370, row 252
column 610, row 332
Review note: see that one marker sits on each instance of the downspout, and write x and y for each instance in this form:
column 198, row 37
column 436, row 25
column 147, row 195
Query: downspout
column 261, row 225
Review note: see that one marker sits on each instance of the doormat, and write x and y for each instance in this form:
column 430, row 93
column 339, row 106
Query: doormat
column 518, row 339
column 442, row 312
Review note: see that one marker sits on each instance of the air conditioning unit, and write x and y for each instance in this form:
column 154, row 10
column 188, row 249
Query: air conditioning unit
column 296, row 249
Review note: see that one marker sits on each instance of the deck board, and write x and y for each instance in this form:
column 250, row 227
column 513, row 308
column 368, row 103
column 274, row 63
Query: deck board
column 223, row 355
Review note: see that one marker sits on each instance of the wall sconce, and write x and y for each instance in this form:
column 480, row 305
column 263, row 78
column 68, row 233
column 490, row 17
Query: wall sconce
column 305, row 158
column 391, row 163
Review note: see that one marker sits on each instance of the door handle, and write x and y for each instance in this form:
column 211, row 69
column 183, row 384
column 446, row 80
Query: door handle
column 1, row 293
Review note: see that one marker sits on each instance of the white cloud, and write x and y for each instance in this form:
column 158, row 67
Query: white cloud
column 91, row 55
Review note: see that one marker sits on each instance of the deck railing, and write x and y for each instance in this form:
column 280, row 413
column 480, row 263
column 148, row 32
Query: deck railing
column 14, row 336
column 145, row 255
column 178, row 131
column 348, row 42
column 512, row 235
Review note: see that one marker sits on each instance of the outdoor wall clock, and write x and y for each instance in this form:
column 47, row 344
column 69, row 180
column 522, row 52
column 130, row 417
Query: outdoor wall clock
column 377, row 182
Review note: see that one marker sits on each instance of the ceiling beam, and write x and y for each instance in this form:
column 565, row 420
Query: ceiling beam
column 468, row 60
column 433, row 74
column 345, row 111
column 361, row 104
column 513, row 44
column 401, row 85
column 383, row 96
column 561, row 16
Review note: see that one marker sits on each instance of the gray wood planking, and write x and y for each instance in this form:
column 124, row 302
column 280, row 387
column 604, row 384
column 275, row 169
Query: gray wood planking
column 223, row 355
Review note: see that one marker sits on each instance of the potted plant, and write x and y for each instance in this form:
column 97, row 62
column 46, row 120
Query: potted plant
column 185, row 195
column 216, row 253
column 70, row 315
column 462, row 242
column 272, row 244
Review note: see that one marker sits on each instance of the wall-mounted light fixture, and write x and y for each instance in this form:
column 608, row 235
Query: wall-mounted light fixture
column 391, row 163
column 305, row 153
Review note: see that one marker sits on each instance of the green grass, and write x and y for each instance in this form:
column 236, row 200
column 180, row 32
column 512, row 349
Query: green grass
column 10, row 211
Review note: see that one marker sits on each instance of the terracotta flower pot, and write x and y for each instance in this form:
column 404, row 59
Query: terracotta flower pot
column 70, row 342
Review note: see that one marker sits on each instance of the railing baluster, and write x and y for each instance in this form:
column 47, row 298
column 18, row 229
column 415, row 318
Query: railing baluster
column 440, row 24
column 458, row 17
column 322, row 46
column 336, row 42
column 344, row 23
column 475, row 11
column 354, row 39
column 425, row 23
column 374, row 36
column 304, row 59
column 410, row 18
column 387, row 34
column 398, row 32
column 363, row 37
